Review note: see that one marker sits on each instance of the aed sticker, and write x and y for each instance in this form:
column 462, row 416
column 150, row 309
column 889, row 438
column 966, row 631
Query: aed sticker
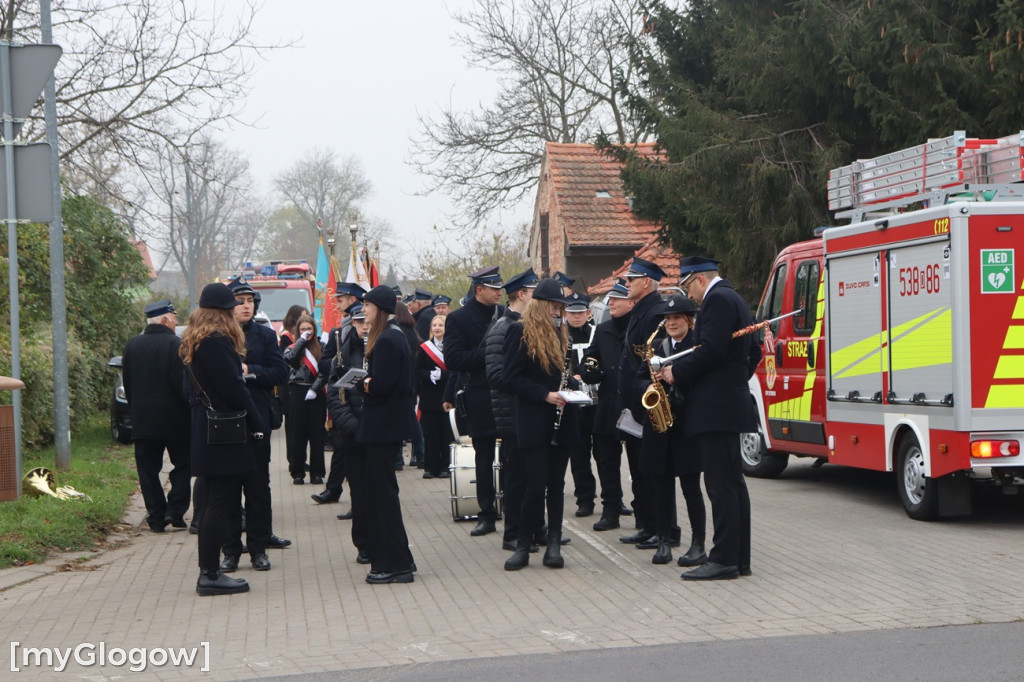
column 997, row 276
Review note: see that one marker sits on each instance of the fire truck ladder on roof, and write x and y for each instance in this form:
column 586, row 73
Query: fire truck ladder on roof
column 950, row 168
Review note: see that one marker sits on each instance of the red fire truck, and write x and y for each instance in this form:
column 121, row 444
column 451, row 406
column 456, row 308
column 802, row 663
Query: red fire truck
column 909, row 355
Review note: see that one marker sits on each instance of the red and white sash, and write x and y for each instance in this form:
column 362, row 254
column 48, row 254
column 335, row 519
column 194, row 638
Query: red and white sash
column 434, row 353
column 309, row 361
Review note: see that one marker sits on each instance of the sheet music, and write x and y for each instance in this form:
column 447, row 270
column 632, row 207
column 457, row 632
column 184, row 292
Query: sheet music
column 627, row 424
column 576, row 397
column 350, row 378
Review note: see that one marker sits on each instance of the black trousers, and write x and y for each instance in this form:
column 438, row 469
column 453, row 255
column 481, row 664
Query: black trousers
column 258, row 516
column 338, row 466
column 545, row 471
column 608, row 455
column 149, row 460
column 513, row 477
column 695, row 510
column 388, row 542
column 730, row 502
column 483, row 447
column 579, row 460
column 657, row 468
column 355, row 468
column 437, row 436
column 220, row 500
column 305, row 426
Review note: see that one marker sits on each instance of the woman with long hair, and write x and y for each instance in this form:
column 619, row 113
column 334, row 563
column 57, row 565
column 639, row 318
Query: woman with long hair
column 536, row 353
column 432, row 376
column 212, row 349
column 307, row 406
column 387, row 420
column 289, row 324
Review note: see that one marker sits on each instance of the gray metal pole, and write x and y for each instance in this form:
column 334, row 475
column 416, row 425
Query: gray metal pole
column 12, row 246
column 58, row 298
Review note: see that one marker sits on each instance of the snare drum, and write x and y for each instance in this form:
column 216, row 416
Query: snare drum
column 463, row 480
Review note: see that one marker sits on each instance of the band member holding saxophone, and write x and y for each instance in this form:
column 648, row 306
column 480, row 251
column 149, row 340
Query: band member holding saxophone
column 717, row 409
column 537, row 359
column 642, row 277
column 666, row 453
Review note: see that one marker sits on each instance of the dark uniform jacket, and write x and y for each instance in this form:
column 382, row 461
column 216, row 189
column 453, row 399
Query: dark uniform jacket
column 388, row 415
column 266, row 365
column 431, row 394
column 152, row 373
column 535, row 417
column 300, row 374
column 218, row 369
column 682, row 452
column 423, row 319
column 346, row 404
column 464, row 353
column 503, row 403
column 335, row 338
column 642, row 323
column 606, row 348
column 714, row 377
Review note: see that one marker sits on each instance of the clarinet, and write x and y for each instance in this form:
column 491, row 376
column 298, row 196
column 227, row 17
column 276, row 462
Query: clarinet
column 560, row 410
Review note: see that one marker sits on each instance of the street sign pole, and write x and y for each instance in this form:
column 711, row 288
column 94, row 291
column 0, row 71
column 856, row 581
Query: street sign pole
column 12, row 245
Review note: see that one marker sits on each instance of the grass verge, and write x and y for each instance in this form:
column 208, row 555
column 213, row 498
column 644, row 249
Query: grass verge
column 33, row 528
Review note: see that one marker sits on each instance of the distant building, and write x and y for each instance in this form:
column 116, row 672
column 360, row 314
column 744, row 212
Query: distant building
column 583, row 223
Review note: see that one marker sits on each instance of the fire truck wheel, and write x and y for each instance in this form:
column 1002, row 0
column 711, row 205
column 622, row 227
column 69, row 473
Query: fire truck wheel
column 919, row 494
column 757, row 461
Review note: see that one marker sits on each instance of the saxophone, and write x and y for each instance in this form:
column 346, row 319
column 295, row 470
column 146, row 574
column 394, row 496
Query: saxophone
column 655, row 400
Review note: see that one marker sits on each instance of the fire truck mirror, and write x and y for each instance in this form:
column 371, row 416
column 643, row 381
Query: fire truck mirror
column 779, row 352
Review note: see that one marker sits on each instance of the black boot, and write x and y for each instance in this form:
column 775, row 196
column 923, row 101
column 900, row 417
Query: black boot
column 521, row 557
column 553, row 553
column 664, row 553
column 694, row 556
column 214, row 582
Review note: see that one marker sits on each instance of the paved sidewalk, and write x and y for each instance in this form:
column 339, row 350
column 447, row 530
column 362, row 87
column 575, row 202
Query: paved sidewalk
column 832, row 552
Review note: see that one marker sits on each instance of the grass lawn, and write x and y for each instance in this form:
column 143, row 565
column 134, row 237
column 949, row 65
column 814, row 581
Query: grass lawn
column 32, row 528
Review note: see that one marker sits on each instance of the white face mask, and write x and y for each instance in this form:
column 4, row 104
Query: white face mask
column 557, row 321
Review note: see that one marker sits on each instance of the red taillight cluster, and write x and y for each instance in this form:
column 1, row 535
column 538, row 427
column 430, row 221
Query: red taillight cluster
column 986, row 449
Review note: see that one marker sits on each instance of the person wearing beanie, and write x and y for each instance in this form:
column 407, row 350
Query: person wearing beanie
column 386, row 422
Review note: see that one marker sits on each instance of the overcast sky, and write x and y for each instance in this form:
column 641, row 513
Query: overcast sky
column 355, row 82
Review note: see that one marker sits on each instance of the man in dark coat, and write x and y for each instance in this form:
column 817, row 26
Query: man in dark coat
column 717, row 410
column 424, row 312
column 345, row 296
column 263, row 368
column 643, row 277
column 464, row 353
column 606, row 354
column 152, row 374
column 519, row 290
column 581, row 335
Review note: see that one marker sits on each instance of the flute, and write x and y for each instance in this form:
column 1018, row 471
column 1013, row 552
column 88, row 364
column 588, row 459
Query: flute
column 658, row 362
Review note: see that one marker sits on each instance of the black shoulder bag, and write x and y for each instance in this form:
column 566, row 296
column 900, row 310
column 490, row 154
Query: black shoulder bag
column 222, row 428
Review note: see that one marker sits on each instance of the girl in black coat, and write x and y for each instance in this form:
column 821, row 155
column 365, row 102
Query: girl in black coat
column 535, row 361
column 212, row 349
column 387, row 420
column 432, row 376
column 307, row 408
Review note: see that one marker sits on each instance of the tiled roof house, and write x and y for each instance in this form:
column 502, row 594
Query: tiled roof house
column 582, row 221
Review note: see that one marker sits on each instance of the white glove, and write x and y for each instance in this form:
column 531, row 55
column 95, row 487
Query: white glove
column 305, row 335
column 435, row 374
column 310, row 394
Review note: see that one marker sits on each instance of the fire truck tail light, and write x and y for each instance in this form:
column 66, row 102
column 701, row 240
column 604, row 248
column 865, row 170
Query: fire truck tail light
column 985, row 449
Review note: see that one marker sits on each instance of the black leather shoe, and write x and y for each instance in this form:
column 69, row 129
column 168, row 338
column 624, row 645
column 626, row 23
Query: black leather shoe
column 649, row 543
column 694, row 556
column 275, row 542
column 427, row 474
column 375, row 578
column 483, row 528
column 745, row 571
column 316, row 480
column 260, row 562
column 229, row 564
column 157, row 527
column 298, row 480
column 362, row 557
column 326, row 497
column 636, row 537
column 345, row 516
column 445, row 474
column 624, row 510
column 214, row 582
column 510, row 546
column 193, row 528
column 583, row 510
column 712, row 571
column 663, row 555
column 177, row 522
column 606, row 523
